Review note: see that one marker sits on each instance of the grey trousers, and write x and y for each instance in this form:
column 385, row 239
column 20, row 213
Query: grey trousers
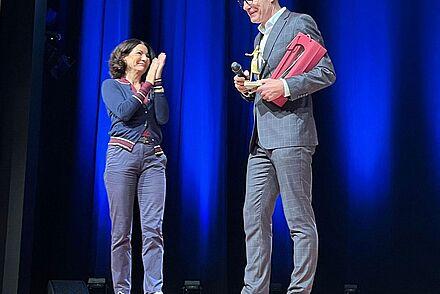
column 128, row 174
column 270, row 172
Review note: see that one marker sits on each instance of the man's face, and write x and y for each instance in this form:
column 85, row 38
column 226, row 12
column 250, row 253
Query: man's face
column 259, row 11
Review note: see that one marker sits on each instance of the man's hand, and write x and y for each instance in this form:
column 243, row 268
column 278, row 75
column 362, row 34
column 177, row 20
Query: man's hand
column 271, row 89
column 239, row 83
column 161, row 61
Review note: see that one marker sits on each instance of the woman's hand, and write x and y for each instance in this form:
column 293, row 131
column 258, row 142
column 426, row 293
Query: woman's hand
column 151, row 75
column 161, row 60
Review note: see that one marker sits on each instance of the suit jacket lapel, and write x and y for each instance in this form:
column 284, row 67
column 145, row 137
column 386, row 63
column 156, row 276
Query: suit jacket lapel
column 274, row 34
column 258, row 39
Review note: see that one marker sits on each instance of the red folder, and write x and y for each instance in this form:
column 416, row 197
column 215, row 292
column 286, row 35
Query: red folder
column 302, row 54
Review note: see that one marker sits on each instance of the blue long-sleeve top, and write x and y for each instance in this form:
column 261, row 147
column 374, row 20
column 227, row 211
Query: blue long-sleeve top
column 134, row 113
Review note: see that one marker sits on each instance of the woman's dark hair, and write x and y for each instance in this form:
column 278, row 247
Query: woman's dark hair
column 117, row 65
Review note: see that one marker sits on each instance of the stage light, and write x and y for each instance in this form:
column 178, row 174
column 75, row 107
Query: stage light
column 351, row 289
column 192, row 287
column 53, row 37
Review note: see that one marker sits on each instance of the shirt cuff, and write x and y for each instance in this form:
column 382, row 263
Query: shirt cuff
column 142, row 94
column 158, row 88
column 286, row 88
column 145, row 88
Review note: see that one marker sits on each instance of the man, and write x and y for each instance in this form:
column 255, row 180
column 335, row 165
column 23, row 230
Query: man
column 281, row 149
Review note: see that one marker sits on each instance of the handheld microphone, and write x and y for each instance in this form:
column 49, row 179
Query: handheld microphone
column 236, row 68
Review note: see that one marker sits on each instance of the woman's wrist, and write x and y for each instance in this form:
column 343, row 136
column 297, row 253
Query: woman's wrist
column 150, row 79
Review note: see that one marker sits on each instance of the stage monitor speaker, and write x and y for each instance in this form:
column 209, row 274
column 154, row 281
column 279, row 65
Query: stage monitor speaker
column 192, row 287
column 66, row 287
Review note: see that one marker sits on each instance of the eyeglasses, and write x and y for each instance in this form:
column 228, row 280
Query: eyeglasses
column 241, row 2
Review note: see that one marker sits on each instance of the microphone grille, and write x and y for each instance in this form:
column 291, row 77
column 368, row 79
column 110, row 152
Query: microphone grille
column 236, row 67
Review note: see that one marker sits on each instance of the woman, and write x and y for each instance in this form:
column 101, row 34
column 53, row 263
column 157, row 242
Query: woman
column 135, row 164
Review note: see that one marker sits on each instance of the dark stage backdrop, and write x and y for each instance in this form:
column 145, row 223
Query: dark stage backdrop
column 376, row 171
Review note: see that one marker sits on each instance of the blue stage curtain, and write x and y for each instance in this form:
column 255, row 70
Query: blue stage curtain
column 364, row 54
column 362, row 45
column 378, row 128
column 104, row 25
column 429, row 44
column 195, row 136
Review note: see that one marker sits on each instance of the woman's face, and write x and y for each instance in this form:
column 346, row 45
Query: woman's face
column 138, row 59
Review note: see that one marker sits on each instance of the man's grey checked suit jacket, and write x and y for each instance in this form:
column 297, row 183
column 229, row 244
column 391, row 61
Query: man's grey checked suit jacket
column 293, row 124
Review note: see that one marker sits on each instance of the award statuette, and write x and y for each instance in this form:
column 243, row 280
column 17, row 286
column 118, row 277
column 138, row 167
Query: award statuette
column 253, row 85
